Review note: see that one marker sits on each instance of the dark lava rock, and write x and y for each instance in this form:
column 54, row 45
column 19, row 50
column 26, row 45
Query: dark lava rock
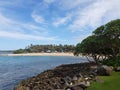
column 54, row 79
column 104, row 70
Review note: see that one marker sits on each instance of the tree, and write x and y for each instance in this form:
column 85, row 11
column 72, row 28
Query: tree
column 46, row 48
column 19, row 51
column 104, row 43
column 110, row 35
column 89, row 47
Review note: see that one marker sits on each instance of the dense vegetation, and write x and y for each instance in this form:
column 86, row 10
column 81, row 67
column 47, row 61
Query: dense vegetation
column 115, row 62
column 103, row 44
column 46, row 48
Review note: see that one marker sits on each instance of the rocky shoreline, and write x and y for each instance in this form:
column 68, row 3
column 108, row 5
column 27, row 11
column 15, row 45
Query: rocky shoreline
column 64, row 77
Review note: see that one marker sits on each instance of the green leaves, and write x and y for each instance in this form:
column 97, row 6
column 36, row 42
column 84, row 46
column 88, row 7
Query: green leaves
column 105, row 42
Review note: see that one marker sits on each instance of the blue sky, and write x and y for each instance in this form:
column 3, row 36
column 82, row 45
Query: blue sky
column 25, row 22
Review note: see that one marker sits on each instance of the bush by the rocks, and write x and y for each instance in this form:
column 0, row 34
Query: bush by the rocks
column 112, row 62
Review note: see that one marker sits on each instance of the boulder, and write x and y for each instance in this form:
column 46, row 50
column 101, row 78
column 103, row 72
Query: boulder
column 104, row 70
column 117, row 69
column 85, row 83
column 99, row 80
column 76, row 87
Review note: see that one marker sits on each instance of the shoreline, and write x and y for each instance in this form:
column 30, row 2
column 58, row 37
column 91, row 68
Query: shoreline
column 39, row 54
column 59, row 78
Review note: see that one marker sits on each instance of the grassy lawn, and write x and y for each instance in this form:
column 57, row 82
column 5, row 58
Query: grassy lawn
column 110, row 83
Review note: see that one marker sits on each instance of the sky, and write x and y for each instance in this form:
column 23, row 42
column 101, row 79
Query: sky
column 25, row 22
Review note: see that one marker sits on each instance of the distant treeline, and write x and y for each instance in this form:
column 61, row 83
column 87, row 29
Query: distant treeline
column 6, row 51
column 46, row 48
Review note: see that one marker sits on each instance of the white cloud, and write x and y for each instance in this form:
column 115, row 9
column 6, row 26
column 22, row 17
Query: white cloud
column 36, row 30
column 49, row 1
column 44, row 9
column 70, row 4
column 6, row 2
column 17, row 30
column 83, row 13
column 4, row 20
column 16, row 35
column 38, row 18
column 95, row 14
column 11, row 25
column 17, row 3
column 62, row 21
column 78, row 39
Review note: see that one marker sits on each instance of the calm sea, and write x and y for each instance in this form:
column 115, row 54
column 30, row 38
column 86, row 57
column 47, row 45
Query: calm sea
column 13, row 69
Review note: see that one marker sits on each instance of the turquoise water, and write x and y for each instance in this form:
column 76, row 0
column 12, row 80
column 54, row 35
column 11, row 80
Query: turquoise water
column 13, row 69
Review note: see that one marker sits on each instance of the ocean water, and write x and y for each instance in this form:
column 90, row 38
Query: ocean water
column 13, row 69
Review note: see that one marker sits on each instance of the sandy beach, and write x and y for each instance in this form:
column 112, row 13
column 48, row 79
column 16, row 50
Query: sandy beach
column 39, row 54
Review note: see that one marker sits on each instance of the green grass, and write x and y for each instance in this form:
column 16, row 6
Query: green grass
column 110, row 83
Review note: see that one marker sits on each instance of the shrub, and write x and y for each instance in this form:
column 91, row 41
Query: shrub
column 115, row 62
